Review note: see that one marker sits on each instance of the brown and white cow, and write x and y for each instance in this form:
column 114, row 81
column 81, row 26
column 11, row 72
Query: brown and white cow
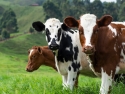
column 104, row 43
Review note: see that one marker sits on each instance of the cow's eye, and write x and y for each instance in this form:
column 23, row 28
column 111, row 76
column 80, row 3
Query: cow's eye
column 47, row 32
column 57, row 26
column 33, row 56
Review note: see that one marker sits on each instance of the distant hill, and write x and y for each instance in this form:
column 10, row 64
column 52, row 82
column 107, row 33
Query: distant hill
column 18, row 46
column 20, row 2
column 25, row 14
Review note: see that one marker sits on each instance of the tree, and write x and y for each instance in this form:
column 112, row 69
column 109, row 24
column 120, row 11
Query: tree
column 121, row 16
column 96, row 8
column 1, row 10
column 9, row 21
column 51, row 10
column 5, row 34
column 31, row 30
column 110, row 8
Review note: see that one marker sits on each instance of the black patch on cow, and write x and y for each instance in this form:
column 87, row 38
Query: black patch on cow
column 64, row 54
column 74, row 65
column 76, row 52
column 76, row 31
column 78, row 65
column 69, row 68
column 53, row 42
column 39, row 26
column 71, row 31
column 73, row 79
column 48, row 34
column 59, row 34
column 65, row 28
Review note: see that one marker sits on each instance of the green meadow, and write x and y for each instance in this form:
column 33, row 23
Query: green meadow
column 14, row 79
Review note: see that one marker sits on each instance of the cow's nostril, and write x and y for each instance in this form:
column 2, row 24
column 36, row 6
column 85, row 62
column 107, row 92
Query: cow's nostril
column 26, row 69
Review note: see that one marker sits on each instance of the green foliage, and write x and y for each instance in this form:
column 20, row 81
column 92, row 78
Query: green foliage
column 111, row 9
column 51, row 10
column 96, row 8
column 121, row 14
column 1, row 10
column 5, row 34
column 31, row 30
column 9, row 21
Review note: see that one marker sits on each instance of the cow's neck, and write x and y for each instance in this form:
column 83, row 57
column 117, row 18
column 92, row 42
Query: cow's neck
column 49, row 60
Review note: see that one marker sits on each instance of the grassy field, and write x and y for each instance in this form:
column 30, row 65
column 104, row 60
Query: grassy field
column 15, row 80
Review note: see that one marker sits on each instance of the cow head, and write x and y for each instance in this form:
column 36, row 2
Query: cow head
column 88, row 27
column 35, row 59
column 53, row 28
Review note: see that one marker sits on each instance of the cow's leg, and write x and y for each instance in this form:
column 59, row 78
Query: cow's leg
column 106, row 82
column 71, row 78
column 76, row 82
column 64, row 79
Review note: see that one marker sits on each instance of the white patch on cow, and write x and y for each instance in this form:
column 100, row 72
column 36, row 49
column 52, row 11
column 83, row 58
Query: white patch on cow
column 106, row 82
column 113, row 30
column 122, row 28
column 88, row 21
column 67, row 48
column 115, row 48
column 31, row 52
column 117, row 69
column 123, row 43
column 123, row 23
column 122, row 54
column 64, row 78
column 53, row 25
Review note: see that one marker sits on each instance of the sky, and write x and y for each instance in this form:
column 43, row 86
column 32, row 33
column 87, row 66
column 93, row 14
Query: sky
column 106, row 0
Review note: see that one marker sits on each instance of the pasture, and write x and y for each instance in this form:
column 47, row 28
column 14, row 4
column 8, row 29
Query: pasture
column 15, row 80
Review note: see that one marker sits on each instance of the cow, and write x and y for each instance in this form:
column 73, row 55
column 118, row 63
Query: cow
column 103, row 41
column 65, row 44
column 42, row 55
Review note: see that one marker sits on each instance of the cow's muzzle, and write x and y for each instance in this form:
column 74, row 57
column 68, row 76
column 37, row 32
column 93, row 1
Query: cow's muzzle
column 88, row 49
column 29, row 70
column 54, row 47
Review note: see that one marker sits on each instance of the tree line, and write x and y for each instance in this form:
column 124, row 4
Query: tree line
column 63, row 8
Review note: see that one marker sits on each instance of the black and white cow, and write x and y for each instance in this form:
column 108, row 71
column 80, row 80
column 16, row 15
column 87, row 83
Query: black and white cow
column 65, row 44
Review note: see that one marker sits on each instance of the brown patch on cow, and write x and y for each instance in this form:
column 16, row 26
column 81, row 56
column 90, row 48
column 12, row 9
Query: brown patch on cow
column 71, row 22
column 104, row 20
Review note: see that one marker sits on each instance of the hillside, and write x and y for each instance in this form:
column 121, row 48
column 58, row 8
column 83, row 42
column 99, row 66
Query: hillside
column 18, row 46
column 25, row 15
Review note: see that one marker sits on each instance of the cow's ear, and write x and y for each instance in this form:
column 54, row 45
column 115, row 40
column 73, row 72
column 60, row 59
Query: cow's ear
column 39, row 50
column 104, row 21
column 39, row 26
column 71, row 22
column 29, row 51
column 64, row 27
